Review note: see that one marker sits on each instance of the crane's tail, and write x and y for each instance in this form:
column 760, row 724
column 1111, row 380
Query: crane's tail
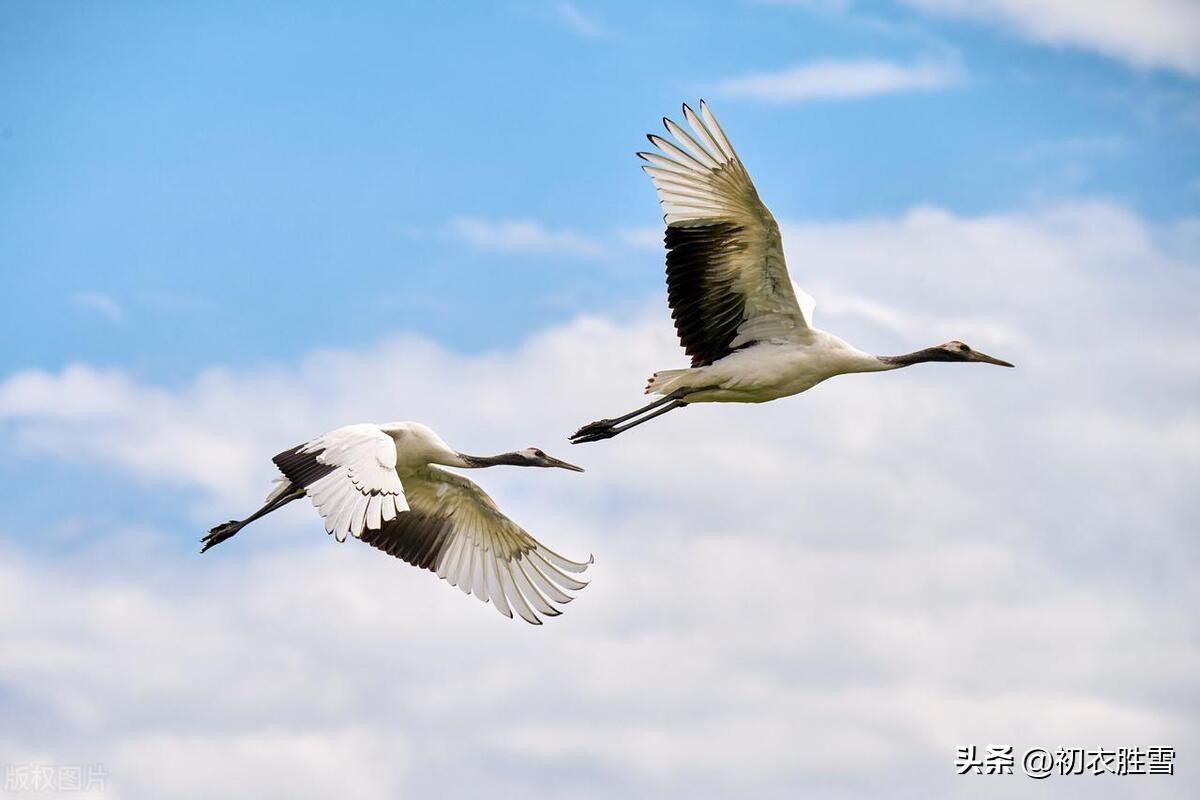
column 663, row 381
column 278, row 498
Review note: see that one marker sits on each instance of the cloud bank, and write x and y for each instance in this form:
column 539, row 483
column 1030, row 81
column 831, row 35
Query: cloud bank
column 821, row 596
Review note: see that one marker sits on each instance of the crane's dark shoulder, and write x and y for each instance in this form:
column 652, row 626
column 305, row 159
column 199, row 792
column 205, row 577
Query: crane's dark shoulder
column 701, row 288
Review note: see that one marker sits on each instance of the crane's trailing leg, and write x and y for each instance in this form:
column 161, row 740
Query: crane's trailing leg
column 228, row 529
column 608, row 428
column 602, row 424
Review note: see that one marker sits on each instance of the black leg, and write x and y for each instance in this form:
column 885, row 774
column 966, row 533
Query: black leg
column 610, row 431
column 602, row 425
column 228, row 529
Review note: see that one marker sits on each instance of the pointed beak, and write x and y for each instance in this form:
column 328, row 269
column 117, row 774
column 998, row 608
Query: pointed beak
column 551, row 461
column 986, row 359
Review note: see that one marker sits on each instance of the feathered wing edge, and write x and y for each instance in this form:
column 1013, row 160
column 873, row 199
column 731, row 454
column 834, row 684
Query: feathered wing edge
column 349, row 474
column 455, row 531
column 727, row 280
column 699, row 177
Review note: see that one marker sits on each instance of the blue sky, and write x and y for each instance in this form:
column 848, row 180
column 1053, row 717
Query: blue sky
column 184, row 185
column 225, row 228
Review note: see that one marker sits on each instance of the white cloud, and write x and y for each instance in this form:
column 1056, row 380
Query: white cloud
column 99, row 303
column 525, row 236
column 826, row 591
column 579, row 22
column 821, row 80
column 1147, row 34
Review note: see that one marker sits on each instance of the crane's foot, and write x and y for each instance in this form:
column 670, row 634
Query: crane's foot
column 594, row 432
column 220, row 534
column 595, row 427
column 608, row 428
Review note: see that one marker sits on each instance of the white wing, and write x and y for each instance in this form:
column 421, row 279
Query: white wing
column 350, row 475
column 727, row 281
column 457, row 531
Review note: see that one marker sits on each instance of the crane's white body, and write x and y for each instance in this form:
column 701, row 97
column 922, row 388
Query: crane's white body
column 768, row 370
column 418, row 446
column 365, row 448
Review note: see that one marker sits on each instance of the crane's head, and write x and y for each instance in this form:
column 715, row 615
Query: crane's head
column 958, row 351
column 533, row 457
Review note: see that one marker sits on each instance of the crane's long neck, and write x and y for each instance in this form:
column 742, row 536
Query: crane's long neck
column 915, row 357
column 478, row 462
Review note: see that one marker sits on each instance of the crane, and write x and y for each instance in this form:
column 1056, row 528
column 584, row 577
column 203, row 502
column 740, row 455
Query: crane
column 746, row 326
column 381, row 484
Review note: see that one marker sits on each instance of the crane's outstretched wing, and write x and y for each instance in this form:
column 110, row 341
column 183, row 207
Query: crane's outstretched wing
column 456, row 530
column 727, row 282
column 350, row 474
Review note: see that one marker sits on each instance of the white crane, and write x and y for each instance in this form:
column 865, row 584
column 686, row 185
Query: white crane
column 379, row 483
column 747, row 327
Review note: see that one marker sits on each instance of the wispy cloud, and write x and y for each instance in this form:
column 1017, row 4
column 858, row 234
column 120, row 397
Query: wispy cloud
column 174, row 302
column 824, row 6
column 1075, row 147
column 579, row 22
column 526, row 236
column 833, row 79
column 101, row 304
column 1064, row 166
column 1148, row 34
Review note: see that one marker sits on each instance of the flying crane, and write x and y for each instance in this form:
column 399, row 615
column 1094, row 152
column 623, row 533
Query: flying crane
column 746, row 326
column 380, row 484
